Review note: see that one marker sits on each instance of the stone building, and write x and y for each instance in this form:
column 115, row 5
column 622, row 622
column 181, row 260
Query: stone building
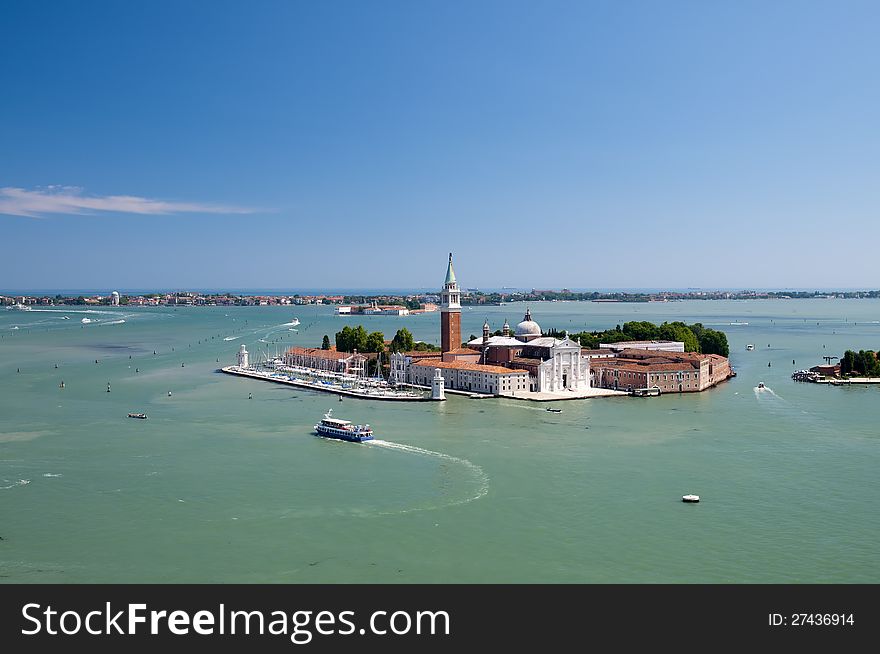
column 671, row 372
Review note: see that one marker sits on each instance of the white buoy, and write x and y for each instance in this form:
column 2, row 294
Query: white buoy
column 690, row 498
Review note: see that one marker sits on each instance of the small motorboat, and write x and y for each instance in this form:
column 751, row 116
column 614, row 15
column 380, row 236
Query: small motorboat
column 761, row 385
column 142, row 416
column 691, row 499
column 750, row 347
column 554, row 410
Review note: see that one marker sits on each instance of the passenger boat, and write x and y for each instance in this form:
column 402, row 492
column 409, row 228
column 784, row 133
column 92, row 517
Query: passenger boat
column 343, row 429
column 142, row 416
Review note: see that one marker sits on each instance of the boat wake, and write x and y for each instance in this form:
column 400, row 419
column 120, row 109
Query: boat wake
column 20, row 482
column 231, row 338
column 112, row 322
column 766, row 390
column 479, row 474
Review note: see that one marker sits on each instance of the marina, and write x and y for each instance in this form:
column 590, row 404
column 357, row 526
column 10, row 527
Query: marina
column 348, row 386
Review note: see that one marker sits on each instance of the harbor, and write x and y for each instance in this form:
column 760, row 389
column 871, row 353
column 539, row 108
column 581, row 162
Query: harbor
column 349, row 386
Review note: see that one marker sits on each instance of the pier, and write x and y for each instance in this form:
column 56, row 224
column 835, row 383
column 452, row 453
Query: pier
column 366, row 392
column 645, row 392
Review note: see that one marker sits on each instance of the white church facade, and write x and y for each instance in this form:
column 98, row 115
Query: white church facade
column 511, row 364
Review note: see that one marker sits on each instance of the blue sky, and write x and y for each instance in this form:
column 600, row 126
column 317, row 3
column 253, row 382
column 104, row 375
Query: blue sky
column 353, row 144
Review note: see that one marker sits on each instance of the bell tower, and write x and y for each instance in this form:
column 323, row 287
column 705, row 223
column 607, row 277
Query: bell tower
column 450, row 311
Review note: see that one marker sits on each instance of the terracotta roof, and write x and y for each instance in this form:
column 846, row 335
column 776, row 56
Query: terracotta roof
column 526, row 361
column 463, row 350
column 625, row 343
column 661, row 356
column 642, row 366
column 464, row 365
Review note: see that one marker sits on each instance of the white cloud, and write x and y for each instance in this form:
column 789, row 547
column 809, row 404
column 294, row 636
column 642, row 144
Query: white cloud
column 70, row 200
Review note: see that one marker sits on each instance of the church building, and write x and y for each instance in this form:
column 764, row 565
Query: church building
column 511, row 364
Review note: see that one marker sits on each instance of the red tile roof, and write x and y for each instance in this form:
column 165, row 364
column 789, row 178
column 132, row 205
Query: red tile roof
column 464, row 365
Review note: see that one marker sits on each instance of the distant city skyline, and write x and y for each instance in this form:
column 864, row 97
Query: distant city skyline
column 586, row 145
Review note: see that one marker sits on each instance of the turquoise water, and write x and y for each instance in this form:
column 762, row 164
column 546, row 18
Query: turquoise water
column 218, row 488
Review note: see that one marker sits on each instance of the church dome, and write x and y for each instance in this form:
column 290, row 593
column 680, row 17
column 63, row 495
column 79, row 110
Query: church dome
column 528, row 327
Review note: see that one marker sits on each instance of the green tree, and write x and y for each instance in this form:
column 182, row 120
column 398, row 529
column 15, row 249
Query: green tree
column 865, row 363
column 325, row 344
column 714, row 342
column 698, row 329
column 641, row 331
column 402, row 341
column 847, row 363
column 872, row 364
column 375, row 343
column 678, row 331
column 344, row 339
column 351, row 339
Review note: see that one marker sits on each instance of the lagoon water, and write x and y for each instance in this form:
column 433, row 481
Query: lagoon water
column 215, row 487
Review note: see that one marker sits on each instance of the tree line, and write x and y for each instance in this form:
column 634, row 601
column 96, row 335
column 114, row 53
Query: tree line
column 696, row 337
column 357, row 338
column 863, row 362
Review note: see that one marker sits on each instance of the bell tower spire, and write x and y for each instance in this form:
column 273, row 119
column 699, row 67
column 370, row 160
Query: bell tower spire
column 450, row 311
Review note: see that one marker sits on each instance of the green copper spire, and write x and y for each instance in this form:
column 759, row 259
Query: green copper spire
column 450, row 273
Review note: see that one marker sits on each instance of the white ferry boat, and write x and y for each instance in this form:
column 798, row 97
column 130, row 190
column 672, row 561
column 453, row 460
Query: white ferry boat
column 343, row 429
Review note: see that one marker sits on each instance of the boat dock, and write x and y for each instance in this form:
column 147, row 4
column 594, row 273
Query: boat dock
column 818, row 378
column 366, row 393
column 645, row 392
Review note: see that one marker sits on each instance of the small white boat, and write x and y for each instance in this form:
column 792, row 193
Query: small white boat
column 761, row 385
column 65, row 317
column 750, row 347
column 692, row 499
column 86, row 321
